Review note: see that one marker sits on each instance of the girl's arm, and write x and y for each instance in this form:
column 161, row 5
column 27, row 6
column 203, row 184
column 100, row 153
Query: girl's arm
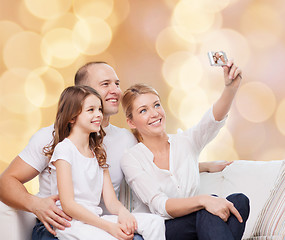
column 116, row 207
column 232, row 76
column 77, row 211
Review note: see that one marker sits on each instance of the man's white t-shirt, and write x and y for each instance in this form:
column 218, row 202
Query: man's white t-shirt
column 116, row 142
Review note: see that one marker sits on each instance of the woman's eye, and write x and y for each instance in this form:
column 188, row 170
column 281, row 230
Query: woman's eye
column 157, row 105
column 143, row 111
column 90, row 110
column 101, row 109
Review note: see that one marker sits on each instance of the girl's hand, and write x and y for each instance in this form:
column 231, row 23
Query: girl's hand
column 117, row 231
column 221, row 207
column 232, row 74
column 127, row 220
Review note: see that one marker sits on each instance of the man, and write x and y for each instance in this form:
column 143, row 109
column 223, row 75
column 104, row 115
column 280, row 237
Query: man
column 31, row 161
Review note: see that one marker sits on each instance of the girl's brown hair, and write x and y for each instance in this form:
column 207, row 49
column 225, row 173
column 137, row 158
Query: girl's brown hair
column 128, row 99
column 69, row 107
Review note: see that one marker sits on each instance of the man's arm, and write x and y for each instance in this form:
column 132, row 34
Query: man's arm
column 14, row 194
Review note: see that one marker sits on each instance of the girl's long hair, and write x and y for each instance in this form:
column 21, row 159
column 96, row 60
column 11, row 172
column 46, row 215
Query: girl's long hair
column 69, row 107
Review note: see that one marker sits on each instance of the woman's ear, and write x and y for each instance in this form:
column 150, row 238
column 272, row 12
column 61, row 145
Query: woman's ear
column 131, row 124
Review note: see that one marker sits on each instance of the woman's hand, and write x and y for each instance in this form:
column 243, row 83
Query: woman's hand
column 232, row 74
column 117, row 230
column 216, row 166
column 127, row 220
column 221, row 207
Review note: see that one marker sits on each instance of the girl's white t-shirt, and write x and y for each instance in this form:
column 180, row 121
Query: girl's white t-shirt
column 87, row 175
column 116, row 142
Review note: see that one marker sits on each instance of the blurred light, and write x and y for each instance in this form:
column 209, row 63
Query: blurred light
column 120, row 12
column 32, row 186
column 8, row 29
column 262, row 24
column 213, row 5
column 93, row 8
column 193, row 106
column 171, row 68
column 269, row 154
column 220, row 148
column 168, row 42
column 92, row 35
column 255, row 101
column 58, row 49
column 231, row 42
column 193, row 16
column 44, row 86
column 174, row 100
column 191, row 73
column 16, row 129
column 26, row 19
column 249, row 137
column 280, row 117
column 48, row 9
column 22, row 50
column 66, row 21
column 12, row 95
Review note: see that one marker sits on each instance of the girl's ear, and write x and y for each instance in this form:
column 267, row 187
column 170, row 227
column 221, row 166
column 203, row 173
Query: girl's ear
column 131, row 124
column 72, row 121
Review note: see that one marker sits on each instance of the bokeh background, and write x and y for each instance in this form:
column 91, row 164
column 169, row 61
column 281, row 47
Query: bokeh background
column 163, row 43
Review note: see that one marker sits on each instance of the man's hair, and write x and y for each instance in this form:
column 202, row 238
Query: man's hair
column 81, row 75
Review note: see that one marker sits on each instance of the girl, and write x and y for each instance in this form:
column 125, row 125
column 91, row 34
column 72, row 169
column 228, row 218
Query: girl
column 79, row 174
column 163, row 169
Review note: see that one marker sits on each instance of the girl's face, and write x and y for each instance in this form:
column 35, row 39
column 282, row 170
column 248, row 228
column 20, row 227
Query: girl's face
column 148, row 115
column 90, row 118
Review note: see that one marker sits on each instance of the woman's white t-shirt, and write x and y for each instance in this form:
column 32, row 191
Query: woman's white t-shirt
column 152, row 185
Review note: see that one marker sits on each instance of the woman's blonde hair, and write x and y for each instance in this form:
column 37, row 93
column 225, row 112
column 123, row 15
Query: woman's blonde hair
column 69, row 107
column 129, row 96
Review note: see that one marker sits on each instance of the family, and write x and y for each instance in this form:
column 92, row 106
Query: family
column 82, row 159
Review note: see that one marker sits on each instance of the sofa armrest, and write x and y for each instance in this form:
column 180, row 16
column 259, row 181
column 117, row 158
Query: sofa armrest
column 15, row 224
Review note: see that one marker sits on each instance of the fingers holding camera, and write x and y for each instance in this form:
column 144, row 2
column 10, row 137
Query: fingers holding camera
column 232, row 74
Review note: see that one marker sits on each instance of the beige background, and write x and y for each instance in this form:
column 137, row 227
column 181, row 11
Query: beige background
column 163, row 43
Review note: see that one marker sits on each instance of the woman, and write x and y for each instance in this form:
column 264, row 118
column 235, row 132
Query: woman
column 163, row 170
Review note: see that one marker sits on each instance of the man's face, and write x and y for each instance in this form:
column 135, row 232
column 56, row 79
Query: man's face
column 105, row 81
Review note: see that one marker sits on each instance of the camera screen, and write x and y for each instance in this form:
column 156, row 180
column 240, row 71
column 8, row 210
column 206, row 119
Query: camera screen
column 217, row 58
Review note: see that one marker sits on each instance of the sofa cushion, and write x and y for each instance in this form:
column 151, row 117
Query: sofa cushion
column 253, row 178
column 271, row 220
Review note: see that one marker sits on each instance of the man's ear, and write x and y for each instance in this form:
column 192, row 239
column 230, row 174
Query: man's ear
column 131, row 124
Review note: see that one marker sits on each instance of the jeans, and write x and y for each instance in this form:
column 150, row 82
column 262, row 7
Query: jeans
column 203, row 225
column 41, row 233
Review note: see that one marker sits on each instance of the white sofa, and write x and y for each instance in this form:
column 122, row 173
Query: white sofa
column 256, row 179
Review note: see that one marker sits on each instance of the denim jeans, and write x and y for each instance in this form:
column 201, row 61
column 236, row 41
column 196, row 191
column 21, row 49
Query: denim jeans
column 203, row 225
column 41, row 233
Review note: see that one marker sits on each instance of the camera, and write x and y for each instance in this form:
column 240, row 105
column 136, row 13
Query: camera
column 218, row 58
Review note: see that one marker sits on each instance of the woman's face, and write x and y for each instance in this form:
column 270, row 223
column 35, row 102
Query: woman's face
column 148, row 115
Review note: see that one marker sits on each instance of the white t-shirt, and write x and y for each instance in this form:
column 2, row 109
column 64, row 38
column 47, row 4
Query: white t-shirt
column 152, row 185
column 116, row 142
column 87, row 176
